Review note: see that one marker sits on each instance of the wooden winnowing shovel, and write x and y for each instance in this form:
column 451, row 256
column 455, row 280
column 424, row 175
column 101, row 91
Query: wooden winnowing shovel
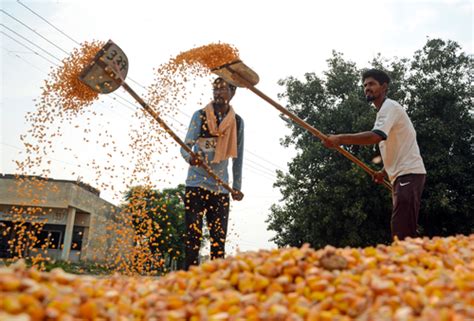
column 107, row 72
column 239, row 74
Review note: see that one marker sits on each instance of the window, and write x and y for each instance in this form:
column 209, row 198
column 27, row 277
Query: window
column 77, row 235
column 52, row 235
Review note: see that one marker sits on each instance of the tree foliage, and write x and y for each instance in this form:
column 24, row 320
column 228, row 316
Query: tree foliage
column 329, row 200
column 440, row 104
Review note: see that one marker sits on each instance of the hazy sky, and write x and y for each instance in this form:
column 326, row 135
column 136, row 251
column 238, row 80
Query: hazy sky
column 276, row 38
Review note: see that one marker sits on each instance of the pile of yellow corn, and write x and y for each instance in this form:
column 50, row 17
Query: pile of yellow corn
column 416, row 279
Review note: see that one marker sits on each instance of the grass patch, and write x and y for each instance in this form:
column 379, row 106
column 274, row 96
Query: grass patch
column 89, row 268
column 79, row 267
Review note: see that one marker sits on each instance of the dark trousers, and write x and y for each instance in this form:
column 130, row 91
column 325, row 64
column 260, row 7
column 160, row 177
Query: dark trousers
column 215, row 206
column 407, row 190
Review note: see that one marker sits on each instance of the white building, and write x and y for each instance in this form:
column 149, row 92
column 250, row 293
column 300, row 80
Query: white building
column 76, row 218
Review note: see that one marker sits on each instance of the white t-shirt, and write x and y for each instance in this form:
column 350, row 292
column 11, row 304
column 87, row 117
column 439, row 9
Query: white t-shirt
column 399, row 149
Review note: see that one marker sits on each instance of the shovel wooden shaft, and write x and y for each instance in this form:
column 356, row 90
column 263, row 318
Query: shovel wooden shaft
column 307, row 126
column 163, row 124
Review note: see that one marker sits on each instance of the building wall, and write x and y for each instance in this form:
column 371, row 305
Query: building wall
column 55, row 199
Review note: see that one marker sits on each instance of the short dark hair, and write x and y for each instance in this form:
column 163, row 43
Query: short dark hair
column 379, row 75
column 219, row 81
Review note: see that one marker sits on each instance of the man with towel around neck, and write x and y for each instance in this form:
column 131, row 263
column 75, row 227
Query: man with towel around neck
column 216, row 133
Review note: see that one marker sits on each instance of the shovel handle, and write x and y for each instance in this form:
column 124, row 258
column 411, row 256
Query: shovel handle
column 178, row 140
column 306, row 126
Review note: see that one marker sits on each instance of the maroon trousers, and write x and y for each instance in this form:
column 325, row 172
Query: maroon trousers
column 407, row 190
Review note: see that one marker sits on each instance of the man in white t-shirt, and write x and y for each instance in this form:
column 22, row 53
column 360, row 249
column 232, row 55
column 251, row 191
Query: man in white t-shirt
column 403, row 165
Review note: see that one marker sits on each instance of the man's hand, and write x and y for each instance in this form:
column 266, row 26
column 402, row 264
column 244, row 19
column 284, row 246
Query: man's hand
column 237, row 195
column 195, row 160
column 378, row 177
column 332, row 141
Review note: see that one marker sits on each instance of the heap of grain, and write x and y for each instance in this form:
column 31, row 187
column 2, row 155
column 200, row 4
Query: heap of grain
column 415, row 279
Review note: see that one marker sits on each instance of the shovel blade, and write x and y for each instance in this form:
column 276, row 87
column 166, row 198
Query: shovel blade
column 107, row 71
column 237, row 73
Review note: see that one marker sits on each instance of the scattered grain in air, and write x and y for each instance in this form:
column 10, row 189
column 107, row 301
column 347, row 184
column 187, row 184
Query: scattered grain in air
column 70, row 113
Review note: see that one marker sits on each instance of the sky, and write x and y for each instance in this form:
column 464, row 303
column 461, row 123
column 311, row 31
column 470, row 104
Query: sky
column 277, row 39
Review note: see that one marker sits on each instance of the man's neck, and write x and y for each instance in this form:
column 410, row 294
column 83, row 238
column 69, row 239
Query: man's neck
column 379, row 102
column 221, row 108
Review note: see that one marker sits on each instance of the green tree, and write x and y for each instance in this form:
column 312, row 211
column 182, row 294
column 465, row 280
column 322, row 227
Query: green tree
column 158, row 220
column 440, row 104
column 326, row 198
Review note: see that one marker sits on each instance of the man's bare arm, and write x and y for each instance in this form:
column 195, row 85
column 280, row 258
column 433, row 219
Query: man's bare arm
column 362, row 138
